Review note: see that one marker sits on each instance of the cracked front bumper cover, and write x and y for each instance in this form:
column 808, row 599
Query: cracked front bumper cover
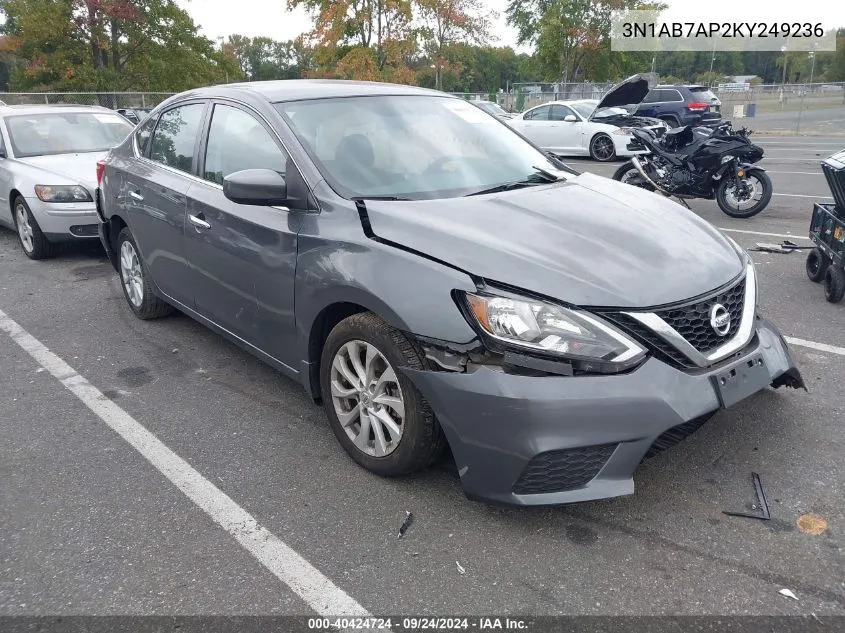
column 503, row 428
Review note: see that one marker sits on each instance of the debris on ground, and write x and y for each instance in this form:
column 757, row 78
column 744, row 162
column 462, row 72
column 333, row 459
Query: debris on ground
column 409, row 519
column 462, row 571
column 788, row 594
column 784, row 247
column 761, row 504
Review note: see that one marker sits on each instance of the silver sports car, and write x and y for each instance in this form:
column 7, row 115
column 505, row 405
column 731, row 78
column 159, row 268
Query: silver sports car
column 48, row 171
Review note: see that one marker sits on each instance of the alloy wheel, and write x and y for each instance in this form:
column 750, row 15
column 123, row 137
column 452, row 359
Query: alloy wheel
column 746, row 195
column 132, row 274
column 367, row 398
column 24, row 228
column 603, row 148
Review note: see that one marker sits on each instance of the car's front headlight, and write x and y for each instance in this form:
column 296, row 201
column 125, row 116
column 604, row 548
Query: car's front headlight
column 587, row 341
column 623, row 131
column 62, row 193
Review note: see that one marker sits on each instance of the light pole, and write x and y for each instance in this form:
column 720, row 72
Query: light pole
column 712, row 59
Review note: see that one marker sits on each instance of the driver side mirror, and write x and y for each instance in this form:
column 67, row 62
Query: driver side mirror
column 263, row 187
column 570, row 118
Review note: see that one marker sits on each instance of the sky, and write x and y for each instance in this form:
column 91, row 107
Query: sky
column 269, row 18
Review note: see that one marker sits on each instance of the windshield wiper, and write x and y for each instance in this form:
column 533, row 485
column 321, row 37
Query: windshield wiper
column 385, row 198
column 539, row 177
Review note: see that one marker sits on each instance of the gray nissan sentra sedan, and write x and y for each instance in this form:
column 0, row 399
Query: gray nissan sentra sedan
column 435, row 279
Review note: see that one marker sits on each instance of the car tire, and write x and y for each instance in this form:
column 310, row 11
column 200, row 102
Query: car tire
column 33, row 242
column 381, row 351
column 671, row 121
column 602, row 148
column 817, row 265
column 134, row 280
column 834, row 284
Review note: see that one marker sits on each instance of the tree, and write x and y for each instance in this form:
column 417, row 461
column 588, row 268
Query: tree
column 447, row 22
column 262, row 58
column 362, row 39
column 110, row 45
column 567, row 34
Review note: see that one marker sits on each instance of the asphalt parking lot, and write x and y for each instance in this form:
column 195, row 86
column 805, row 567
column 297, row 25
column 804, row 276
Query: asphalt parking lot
column 88, row 524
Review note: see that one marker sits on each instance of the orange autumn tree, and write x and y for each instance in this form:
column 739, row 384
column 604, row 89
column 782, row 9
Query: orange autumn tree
column 362, row 39
column 447, row 22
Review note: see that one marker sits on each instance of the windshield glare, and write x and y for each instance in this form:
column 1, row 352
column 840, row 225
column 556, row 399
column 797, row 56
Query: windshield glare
column 65, row 132
column 417, row 147
column 584, row 108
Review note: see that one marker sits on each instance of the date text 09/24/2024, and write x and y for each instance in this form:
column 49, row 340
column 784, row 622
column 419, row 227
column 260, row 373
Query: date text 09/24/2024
column 417, row 624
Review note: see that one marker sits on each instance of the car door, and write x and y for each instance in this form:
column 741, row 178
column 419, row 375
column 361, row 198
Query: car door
column 534, row 125
column 154, row 195
column 567, row 135
column 243, row 257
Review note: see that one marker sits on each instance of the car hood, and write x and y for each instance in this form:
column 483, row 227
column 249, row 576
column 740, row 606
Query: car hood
column 589, row 241
column 78, row 168
column 631, row 91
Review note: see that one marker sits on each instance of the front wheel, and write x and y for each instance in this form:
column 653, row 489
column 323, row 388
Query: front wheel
column 747, row 198
column 602, row 149
column 630, row 175
column 33, row 242
column 375, row 411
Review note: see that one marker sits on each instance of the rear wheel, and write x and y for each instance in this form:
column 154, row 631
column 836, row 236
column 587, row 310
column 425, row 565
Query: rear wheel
column 671, row 121
column 630, row 175
column 602, row 149
column 834, row 284
column 375, row 411
column 32, row 240
column 817, row 265
column 134, row 280
column 746, row 199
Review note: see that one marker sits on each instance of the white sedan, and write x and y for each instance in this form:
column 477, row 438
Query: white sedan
column 574, row 128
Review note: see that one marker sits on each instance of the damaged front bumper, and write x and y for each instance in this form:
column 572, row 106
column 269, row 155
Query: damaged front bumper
column 536, row 440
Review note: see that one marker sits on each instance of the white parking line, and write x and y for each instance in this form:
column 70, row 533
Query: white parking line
column 783, row 235
column 306, row 581
column 800, row 173
column 802, row 195
column 821, row 347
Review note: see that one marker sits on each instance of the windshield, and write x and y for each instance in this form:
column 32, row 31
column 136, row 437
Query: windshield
column 416, row 147
column 610, row 111
column 703, row 93
column 584, row 108
column 65, row 132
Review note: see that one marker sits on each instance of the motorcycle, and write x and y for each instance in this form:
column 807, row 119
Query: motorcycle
column 701, row 163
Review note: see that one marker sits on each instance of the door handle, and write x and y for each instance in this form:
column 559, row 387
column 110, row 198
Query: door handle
column 136, row 196
column 199, row 222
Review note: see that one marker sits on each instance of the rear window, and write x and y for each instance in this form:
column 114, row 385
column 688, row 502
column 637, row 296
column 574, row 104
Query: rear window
column 703, row 93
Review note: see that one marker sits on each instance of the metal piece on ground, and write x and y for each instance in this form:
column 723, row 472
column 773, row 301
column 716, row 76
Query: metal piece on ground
column 761, row 502
column 409, row 519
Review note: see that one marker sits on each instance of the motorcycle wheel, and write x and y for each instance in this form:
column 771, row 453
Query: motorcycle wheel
column 732, row 205
column 629, row 175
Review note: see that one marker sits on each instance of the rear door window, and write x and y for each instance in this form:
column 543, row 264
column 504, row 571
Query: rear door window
column 175, row 136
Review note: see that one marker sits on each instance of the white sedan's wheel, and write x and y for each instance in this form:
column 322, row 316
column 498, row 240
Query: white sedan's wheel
column 601, row 148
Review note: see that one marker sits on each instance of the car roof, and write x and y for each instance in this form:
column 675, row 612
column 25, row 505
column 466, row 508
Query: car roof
column 299, row 89
column 47, row 109
column 683, row 86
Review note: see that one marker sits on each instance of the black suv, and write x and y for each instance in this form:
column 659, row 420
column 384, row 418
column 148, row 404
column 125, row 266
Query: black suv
column 682, row 105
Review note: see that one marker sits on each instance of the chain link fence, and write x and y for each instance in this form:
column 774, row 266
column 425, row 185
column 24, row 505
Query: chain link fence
column 817, row 108
column 113, row 100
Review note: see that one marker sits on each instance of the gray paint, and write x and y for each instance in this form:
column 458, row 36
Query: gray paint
column 263, row 276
